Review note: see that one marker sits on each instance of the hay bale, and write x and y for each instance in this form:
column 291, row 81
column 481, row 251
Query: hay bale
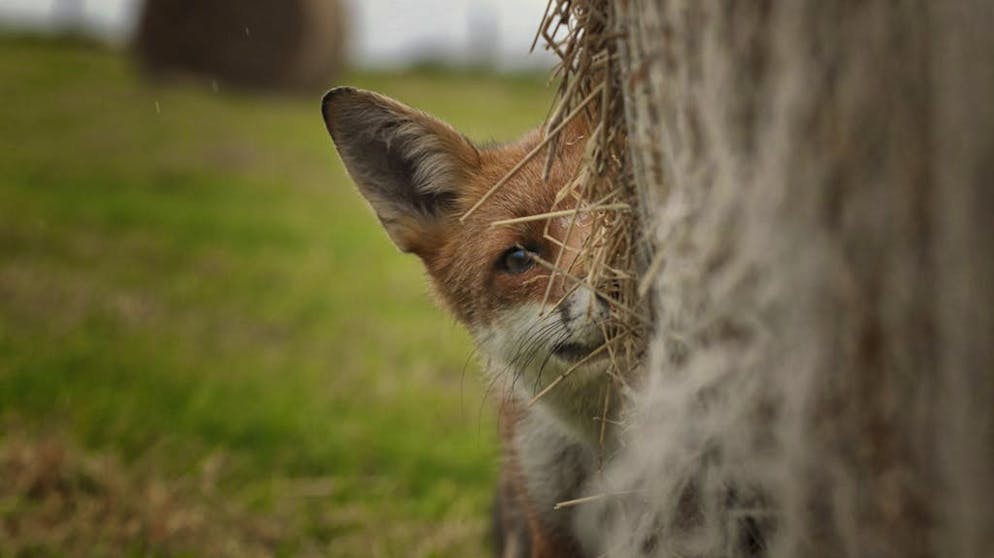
column 268, row 44
column 816, row 177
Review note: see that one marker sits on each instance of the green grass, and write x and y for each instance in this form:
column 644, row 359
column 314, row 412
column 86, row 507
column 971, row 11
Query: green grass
column 187, row 273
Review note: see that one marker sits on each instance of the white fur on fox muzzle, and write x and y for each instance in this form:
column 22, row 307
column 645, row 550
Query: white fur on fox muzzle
column 539, row 343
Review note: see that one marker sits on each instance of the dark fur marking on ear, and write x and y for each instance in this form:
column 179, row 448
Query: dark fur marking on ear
column 408, row 165
column 375, row 155
column 383, row 157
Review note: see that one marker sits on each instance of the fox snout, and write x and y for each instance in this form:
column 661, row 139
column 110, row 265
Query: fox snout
column 583, row 316
column 533, row 344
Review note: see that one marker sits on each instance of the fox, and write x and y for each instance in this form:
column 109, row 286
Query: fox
column 431, row 189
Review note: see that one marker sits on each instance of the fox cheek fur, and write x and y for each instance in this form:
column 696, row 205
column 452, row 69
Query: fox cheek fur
column 421, row 176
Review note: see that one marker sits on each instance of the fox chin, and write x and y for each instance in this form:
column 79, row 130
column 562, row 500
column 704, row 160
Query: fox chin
column 541, row 336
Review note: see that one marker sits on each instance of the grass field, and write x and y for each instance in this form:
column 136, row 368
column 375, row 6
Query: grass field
column 207, row 346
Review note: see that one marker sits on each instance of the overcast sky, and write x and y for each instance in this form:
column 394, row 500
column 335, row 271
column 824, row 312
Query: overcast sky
column 386, row 32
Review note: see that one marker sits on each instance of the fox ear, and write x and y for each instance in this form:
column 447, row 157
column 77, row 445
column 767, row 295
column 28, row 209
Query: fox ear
column 408, row 165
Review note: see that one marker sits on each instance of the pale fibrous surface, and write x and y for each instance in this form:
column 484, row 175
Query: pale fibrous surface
column 814, row 180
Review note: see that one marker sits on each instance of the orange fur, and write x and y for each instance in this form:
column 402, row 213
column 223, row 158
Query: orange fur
column 461, row 264
column 421, row 176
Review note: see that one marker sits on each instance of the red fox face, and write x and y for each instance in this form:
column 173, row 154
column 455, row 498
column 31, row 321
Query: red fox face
column 421, row 176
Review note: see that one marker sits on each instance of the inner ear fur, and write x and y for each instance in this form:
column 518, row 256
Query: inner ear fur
column 407, row 164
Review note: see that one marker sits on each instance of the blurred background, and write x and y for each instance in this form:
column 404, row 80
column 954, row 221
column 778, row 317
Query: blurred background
column 381, row 33
column 207, row 345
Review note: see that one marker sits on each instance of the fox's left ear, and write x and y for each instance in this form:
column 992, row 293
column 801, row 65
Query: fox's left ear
column 408, row 165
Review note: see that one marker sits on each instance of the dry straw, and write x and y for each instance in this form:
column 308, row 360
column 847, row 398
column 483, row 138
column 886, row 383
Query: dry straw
column 582, row 34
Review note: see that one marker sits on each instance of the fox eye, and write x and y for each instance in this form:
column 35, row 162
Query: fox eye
column 516, row 260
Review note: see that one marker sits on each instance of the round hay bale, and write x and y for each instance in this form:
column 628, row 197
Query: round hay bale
column 813, row 181
column 261, row 44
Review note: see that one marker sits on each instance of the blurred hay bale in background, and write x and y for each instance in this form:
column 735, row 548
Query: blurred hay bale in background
column 259, row 44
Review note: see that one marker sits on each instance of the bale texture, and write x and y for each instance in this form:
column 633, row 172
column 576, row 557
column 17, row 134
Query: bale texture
column 817, row 178
column 267, row 44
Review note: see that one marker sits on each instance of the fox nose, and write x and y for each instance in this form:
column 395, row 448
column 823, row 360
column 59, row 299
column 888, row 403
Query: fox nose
column 608, row 289
column 603, row 304
column 583, row 306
